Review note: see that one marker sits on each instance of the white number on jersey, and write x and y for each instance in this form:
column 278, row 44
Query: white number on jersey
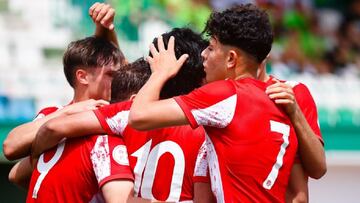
column 147, row 161
column 44, row 168
column 285, row 131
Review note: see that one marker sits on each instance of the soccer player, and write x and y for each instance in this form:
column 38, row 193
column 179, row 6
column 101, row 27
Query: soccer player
column 250, row 142
column 165, row 162
column 302, row 111
column 93, row 166
column 90, row 80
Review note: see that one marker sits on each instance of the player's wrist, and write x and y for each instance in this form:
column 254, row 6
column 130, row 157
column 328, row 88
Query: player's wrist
column 294, row 113
column 161, row 75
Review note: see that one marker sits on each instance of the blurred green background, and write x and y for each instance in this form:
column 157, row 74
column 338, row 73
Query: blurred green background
column 316, row 42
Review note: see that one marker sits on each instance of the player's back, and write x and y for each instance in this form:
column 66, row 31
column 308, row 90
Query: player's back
column 253, row 150
column 250, row 144
column 63, row 174
column 56, row 175
column 76, row 169
column 163, row 160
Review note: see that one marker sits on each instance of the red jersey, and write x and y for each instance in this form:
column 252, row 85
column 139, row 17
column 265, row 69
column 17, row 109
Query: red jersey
column 46, row 111
column 307, row 105
column 75, row 170
column 250, row 142
column 164, row 161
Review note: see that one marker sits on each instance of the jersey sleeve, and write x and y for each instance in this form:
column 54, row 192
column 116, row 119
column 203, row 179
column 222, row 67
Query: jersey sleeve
column 201, row 172
column 211, row 105
column 46, row 111
column 113, row 118
column 308, row 107
column 110, row 160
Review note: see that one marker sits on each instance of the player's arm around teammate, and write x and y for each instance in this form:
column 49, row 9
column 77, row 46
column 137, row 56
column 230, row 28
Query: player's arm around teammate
column 86, row 123
column 18, row 142
column 311, row 150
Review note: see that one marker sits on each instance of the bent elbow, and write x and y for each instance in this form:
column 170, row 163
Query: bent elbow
column 12, row 177
column 301, row 198
column 320, row 172
column 9, row 150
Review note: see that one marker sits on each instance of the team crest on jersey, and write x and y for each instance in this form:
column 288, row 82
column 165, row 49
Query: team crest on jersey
column 120, row 155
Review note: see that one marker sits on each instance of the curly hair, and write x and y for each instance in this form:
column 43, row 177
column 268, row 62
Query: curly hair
column 243, row 26
column 129, row 79
column 90, row 52
column 192, row 72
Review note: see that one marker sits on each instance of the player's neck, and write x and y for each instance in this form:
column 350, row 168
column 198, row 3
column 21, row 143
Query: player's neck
column 263, row 76
column 80, row 94
column 241, row 72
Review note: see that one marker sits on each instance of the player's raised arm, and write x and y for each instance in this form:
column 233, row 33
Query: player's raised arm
column 53, row 131
column 147, row 112
column 310, row 147
column 103, row 16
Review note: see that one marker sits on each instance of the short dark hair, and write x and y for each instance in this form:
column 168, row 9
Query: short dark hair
column 90, row 52
column 192, row 73
column 244, row 26
column 129, row 79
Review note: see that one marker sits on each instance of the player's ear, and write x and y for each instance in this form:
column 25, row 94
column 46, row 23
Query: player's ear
column 132, row 97
column 82, row 76
column 231, row 59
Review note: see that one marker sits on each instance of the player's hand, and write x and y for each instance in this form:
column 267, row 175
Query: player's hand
column 164, row 61
column 102, row 14
column 283, row 94
column 87, row 105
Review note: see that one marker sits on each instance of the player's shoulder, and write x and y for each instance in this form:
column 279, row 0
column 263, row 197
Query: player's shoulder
column 49, row 110
column 219, row 87
column 299, row 88
column 213, row 92
column 124, row 104
column 46, row 111
column 120, row 106
column 296, row 85
column 115, row 110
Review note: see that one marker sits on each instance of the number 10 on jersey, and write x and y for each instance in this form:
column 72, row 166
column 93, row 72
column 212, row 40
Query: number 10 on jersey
column 147, row 162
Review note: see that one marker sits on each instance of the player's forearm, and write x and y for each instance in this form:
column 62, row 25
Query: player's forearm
column 20, row 173
column 140, row 200
column 109, row 35
column 297, row 190
column 18, row 142
column 203, row 193
column 311, row 150
column 142, row 109
column 47, row 137
column 70, row 126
